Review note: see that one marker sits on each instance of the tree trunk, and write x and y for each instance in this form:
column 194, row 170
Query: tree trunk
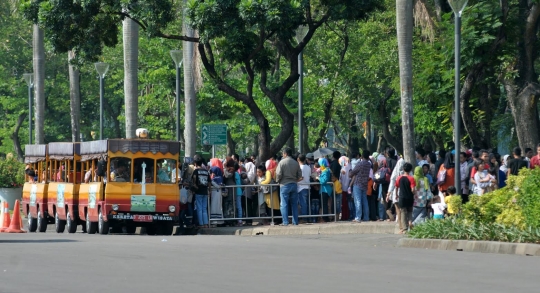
column 39, row 84
column 465, row 106
column 523, row 92
column 488, row 104
column 367, row 131
column 305, row 140
column 131, row 66
column 255, row 146
column 15, row 137
column 385, row 119
column 354, row 142
column 404, row 19
column 290, row 142
column 326, row 120
column 380, row 144
column 231, row 144
column 74, row 98
column 190, row 96
column 524, row 107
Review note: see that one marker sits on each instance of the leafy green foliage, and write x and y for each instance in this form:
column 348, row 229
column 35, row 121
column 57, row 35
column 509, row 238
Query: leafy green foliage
column 509, row 214
column 11, row 173
column 87, row 26
column 529, row 196
column 460, row 229
column 516, row 204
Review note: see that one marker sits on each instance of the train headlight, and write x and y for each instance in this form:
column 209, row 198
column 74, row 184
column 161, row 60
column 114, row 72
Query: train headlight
column 172, row 209
column 115, row 207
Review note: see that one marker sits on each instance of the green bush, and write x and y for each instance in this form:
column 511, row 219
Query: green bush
column 11, row 173
column 510, row 214
column 460, row 229
column 529, row 196
column 517, row 204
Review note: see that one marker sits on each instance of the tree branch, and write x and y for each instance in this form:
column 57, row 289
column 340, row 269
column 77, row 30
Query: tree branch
column 159, row 33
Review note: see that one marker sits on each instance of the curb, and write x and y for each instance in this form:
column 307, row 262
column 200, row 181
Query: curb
column 472, row 246
column 325, row 229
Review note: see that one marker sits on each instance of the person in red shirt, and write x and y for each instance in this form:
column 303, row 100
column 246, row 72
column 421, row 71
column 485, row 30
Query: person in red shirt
column 535, row 161
column 405, row 197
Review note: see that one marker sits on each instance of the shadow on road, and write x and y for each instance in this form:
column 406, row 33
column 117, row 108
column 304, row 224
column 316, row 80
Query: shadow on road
column 37, row 241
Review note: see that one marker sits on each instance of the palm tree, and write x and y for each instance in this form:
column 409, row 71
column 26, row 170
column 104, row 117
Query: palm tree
column 190, row 96
column 39, row 83
column 404, row 22
column 131, row 64
column 74, row 97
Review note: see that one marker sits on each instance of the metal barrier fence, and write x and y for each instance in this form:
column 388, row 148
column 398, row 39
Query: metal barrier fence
column 225, row 202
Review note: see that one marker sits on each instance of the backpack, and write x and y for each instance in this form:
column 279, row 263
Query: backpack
column 441, row 177
column 406, row 195
column 101, row 168
column 382, row 176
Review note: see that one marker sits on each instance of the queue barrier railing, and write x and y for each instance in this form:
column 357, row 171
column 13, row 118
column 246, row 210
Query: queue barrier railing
column 271, row 217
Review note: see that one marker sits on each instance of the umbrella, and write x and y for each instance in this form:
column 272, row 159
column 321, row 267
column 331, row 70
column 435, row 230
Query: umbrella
column 323, row 152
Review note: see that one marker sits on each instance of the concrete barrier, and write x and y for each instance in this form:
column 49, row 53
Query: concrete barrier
column 472, row 246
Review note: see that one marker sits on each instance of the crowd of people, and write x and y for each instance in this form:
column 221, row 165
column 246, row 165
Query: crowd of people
column 379, row 186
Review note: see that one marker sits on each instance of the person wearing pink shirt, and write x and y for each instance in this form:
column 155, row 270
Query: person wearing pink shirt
column 535, row 161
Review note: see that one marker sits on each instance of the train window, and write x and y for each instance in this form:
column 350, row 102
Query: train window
column 143, row 170
column 166, row 171
column 120, row 170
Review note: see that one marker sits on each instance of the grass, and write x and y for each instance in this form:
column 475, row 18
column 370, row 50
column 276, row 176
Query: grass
column 459, row 229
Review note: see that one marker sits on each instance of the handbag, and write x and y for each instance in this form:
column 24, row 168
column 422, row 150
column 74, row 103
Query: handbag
column 441, row 177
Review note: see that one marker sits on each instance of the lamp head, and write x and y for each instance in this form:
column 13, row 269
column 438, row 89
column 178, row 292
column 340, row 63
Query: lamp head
column 177, row 57
column 301, row 33
column 458, row 6
column 102, row 68
column 29, row 78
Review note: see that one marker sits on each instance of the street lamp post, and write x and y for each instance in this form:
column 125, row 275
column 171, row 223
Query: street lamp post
column 300, row 34
column 102, row 69
column 29, row 78
column 457, row 6
column 177, row 57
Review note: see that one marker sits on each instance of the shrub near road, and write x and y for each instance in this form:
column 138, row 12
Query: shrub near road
column 510, row 214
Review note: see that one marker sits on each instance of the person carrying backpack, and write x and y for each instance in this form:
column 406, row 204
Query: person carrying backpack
column 405, row 191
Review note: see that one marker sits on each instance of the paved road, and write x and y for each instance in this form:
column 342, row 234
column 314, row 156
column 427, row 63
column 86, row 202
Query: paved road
column 342, row 263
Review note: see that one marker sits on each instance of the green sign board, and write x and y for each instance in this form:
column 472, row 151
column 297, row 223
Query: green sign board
column 214, row 134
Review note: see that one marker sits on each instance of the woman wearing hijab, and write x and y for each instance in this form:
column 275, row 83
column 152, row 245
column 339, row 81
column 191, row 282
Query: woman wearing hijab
column 345, row 181
column 326, row 189
column 446, row 175
column 382, row 189
column 391, row 198
column 229, row 179
column 216, row 174
column 421, row 197
column 272, row 197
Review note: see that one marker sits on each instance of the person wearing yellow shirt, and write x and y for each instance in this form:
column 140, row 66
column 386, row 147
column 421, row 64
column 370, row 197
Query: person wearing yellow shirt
column 337, row 191
column 453, row 206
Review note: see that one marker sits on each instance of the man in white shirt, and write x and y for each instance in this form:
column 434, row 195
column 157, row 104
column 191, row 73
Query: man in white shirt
column 250, row 170
column 303, row 185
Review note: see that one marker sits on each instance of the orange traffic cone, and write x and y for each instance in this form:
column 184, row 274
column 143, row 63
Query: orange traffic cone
column 5, row 217
column 15, row 225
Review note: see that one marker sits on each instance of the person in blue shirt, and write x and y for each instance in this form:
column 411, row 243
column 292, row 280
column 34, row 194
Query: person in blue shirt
column 326, row 189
